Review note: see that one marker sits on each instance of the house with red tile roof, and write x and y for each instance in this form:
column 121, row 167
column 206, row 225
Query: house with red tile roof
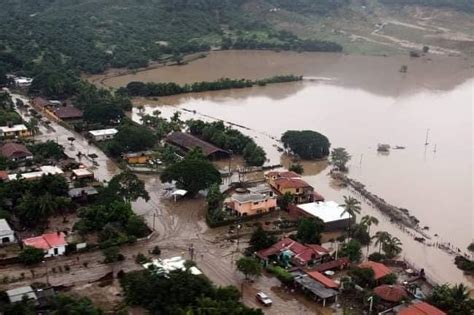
column 291, row 182
column 327, row 282
column 53, row 244
column 420, row 308
column 380, row 270
column 298, row 254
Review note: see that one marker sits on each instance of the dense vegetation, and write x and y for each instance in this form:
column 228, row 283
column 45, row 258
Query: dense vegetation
column 92, row 35
column 230, row 139
column 181, row 293
column 33, row 202
column 306, row 144
column 135, row 88
column 462, row 5
column 193, row 173
column 131, row 138
column 7, row 112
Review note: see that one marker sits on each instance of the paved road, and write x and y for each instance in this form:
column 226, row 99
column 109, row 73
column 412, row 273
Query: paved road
column 177, row 225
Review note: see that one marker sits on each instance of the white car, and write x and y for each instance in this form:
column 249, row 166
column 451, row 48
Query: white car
column 264, row 299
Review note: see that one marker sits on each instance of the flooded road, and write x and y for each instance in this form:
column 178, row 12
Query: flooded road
column 362, row 102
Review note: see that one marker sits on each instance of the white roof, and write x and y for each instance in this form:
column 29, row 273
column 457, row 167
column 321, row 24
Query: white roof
column 82, row 172
column 44, row 170
column 179, row 192
column 16, row 295
column 13, row 128
column 171, row 264
column 328, row 211
column 103, row 132
column 5, row 228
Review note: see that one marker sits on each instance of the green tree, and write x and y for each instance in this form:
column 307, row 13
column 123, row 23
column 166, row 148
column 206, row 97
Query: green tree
column 68, row 305
column 128, row 186
column 368, row 221
column 392, row 247
column 261, row 239
column 351, row 206
column 192, row 174
column 136, row 226
column 254, row 155
column 33, row 126
column 452, row 299
column 111, row 254
column 309, row 230
column 285, row 200
column 306, row 143
column 381, row 238
column 131, row 138
column 297, row 168
column 249, row 266
column 339, row 158
column 351, row 250
column 31, row 255
column 214, row 197
column 364, row 277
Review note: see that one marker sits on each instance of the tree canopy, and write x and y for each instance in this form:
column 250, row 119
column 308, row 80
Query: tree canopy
column 192, row 174
column 307, row 144
column 309, row 230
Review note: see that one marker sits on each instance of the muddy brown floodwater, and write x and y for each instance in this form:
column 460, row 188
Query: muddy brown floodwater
column 358, row 102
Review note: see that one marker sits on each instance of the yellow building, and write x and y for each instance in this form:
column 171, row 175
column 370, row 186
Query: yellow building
column 15, row 131
column 138, row 157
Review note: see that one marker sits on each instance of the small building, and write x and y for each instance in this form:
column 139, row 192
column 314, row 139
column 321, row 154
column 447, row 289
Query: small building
column 314, row 288
column 22, row 81
column 290, row 182
column 391, row 293
column 82, row 173
column 15, row 131
column 417, row 307
column 43, row 170
column 329, row 212
column 141, row 157
column 165, row 266
column 337, row 264
column 66, row 113
column 290, row 251
column 187, row 142
column 252, row 203
column 15, row 152
column 82, row 193
column 40, row 102
column 19, row 294
column 380, row 270
column 325, row 281
column 103, row 134
column 53, row 244
column 7, row 235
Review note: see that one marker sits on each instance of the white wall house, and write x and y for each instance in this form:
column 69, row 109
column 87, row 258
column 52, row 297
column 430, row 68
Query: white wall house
column 7, row 235
column 103, row 134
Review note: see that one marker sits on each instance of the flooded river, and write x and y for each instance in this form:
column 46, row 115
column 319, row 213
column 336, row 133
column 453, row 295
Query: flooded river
column 358, row 102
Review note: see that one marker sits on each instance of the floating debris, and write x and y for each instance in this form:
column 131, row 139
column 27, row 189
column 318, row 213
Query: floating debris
column 383, row 147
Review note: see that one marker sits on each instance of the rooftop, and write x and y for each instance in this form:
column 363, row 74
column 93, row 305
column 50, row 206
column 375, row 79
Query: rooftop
column 13, row 128
column 5, row 228
column 421, row 308
column 284, row 182
column 82, row 191
column 103, row 132
column 333, row 264
column 260, row 189
column 189, row 142
column 315, row 287
column 80, row 172
column 67, row 112
column 40, row 101
column 380, row 270
column 328, row 211
column 44, row 170
column 285, row 174
column 166, row 265
column 137, row 154
column 47, row 240
column 11, row 149
column 16, row 295
column 301, row 253
column 244, row 198
column 327, row 282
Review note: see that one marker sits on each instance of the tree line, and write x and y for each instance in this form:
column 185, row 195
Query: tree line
column 136, row 88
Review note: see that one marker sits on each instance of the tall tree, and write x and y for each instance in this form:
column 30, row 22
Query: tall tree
column 339, row 158
column 392, row 247
column 351, row 206
column 128, row 186
column 261, row 239
column 454, row 300
column 309, row 230
column 381, row 238
column 250, row 267
column 368, row 221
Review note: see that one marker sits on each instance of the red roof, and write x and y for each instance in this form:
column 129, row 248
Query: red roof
column 3, row 175
column 46, row 241
column 68, row 112
column 333, row 264
column 421, row 308
column 189, row 142
column 391, row 293
column 284, row 182
column 328, row 283
column 380, row 270
column 302, row 254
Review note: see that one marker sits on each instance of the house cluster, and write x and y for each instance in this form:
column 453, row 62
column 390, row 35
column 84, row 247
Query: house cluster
column 58, row 110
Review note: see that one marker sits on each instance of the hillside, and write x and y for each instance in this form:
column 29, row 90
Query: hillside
column 93, row 35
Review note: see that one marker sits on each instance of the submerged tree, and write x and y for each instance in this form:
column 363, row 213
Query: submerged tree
column 339, row 158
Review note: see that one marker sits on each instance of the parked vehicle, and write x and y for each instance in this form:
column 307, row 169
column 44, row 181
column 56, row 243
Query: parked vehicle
column 264, row 299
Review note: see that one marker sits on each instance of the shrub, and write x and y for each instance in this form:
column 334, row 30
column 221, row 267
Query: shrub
column 156, row 250
column 377, row 257
column 30, row 255
column 282, row 274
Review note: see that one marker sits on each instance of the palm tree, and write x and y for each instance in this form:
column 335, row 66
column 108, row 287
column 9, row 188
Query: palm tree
column 351, row 206
column 367, row 221
column 33, row 126
column 392, row 247
column 381, row 238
